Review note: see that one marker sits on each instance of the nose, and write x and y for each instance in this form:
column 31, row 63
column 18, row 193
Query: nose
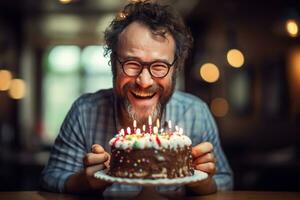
column 144, row 80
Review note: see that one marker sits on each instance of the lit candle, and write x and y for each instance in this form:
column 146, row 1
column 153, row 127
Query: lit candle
column 128, row 130
column 176, row 128
column 150, row 124
column 180, row 131
column 122, row 132
column 155, row 130
column 144, row 129
column 138, row 131
column 169, row 125
column 134, row 126
column 157, row 123
column 161, row 131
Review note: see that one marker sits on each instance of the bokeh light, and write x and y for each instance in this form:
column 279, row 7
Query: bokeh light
column 292, row 27
column 235, row 58
column 209, row 72
column 65, row 1
column 5, row 79
column 17, row 89
column 219, row 107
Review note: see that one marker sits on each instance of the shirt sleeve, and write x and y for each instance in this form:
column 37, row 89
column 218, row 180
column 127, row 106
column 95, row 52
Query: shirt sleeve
column 67, row 152
column 205, row 130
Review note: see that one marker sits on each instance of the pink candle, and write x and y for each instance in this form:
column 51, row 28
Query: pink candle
column 128, row 130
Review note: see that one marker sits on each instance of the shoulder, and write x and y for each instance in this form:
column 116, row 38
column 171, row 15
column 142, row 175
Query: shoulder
column 99, row 98
column 186, row 100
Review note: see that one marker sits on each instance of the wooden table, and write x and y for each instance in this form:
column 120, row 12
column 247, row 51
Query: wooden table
column 234, row 195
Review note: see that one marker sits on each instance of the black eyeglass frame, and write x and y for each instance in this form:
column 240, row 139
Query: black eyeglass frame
column 146, row 64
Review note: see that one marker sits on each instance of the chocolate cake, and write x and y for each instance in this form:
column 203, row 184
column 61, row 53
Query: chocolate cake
column 151, row 155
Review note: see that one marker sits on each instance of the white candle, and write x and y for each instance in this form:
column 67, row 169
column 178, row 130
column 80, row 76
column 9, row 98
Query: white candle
column 128, row 130
column 144, row 128
column 169, row 124
column 180, row 131
column 157, row 123
column 122, row 132
column 138, row 131
column 155, row 129
column 150, row 120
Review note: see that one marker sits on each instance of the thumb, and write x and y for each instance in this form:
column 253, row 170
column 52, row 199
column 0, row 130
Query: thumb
column 96, row 148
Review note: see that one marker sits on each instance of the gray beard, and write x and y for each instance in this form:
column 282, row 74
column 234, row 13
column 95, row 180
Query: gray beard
column 133, row 115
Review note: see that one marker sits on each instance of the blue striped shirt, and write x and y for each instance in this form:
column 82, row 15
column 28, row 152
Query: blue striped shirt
column 92, row 120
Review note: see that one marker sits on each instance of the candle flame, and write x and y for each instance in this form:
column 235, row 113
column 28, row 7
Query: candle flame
column 150, row 120
column 144, row 128
column 157, row 123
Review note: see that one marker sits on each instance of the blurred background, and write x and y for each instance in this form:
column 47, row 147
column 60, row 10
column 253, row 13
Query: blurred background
column 245, row 66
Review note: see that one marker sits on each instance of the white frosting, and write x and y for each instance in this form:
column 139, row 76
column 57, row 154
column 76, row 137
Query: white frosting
column 157, row 141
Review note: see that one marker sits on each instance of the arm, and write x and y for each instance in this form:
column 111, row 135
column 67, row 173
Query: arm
column 209, row 151
column 66, row 171
column 203, row 159
column 83, row 181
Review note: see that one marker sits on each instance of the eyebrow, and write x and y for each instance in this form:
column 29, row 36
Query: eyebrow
column 138, row 59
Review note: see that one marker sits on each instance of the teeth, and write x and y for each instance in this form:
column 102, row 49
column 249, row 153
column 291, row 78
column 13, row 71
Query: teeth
column 142, row 94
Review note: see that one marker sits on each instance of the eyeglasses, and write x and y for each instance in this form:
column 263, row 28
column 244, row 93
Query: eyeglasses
column 157, row 69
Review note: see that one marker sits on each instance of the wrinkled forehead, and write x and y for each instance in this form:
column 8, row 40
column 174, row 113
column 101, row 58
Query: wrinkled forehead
column 139, row 32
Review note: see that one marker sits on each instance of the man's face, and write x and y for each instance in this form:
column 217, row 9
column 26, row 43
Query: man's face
column 143, row 95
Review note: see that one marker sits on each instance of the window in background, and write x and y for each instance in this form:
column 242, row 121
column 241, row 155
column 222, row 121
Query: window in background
column 69, row 72
column 96, row 68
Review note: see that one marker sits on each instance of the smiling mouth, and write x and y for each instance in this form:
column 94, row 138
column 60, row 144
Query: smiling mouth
column 143, row 95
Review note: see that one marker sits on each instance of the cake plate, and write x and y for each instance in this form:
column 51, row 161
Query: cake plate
column 148, row 190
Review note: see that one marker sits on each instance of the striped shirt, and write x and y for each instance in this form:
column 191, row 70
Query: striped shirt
column 92, row 119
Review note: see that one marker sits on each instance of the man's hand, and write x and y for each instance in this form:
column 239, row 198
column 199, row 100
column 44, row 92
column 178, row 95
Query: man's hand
column 97, row 160
column 84, row 181
column 204, row 160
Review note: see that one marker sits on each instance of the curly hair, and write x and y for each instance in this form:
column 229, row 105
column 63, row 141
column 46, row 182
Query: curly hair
column 161, row 19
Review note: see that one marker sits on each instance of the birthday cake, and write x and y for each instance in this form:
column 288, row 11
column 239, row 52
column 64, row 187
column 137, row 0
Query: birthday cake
column 151, row 154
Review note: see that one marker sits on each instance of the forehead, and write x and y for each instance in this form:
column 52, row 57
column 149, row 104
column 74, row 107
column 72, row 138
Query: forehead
column 140, row 41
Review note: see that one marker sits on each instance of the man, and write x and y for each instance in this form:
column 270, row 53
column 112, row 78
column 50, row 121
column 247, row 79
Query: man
column 148, row 44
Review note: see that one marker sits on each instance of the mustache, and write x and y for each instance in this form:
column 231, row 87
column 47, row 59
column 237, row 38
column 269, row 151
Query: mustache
column 134, row 87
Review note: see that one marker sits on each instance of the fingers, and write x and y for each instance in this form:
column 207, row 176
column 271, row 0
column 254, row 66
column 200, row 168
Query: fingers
column 201, row 149
column 94, row 159
column 208, row 167
column 209, row 157
column 204, row 158
column 91, row 170
column 96, row 148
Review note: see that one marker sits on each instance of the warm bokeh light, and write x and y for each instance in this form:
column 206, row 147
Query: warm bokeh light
column 65, row 1
column 5, row 79
column 17, row 89
column 292, row 27
column 235, row 58
column 219, row 107
column 209, row 72
column 293, row 72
